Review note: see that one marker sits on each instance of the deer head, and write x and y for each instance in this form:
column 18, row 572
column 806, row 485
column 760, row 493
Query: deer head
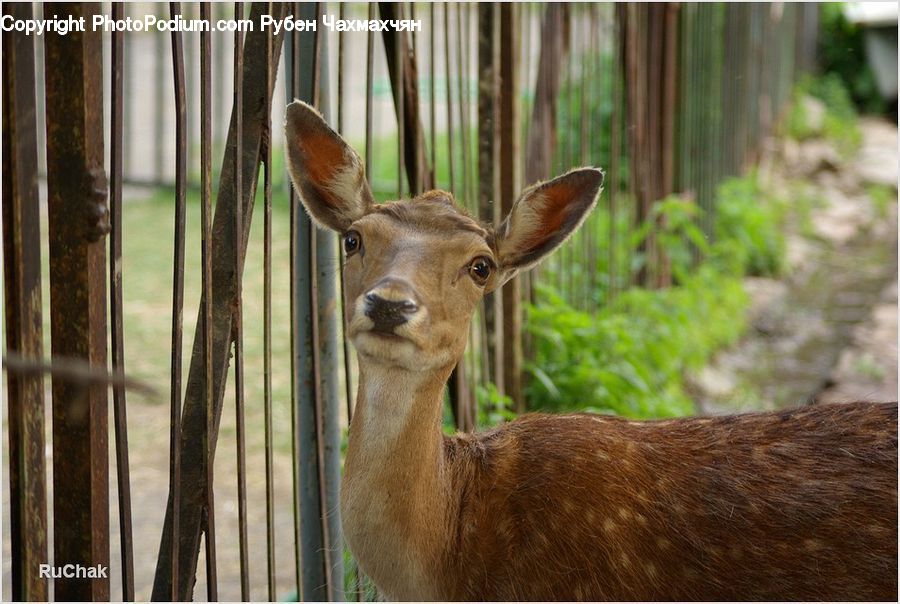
column 415, row 269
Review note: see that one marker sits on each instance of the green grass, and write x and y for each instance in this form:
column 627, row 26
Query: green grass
column 147, row 239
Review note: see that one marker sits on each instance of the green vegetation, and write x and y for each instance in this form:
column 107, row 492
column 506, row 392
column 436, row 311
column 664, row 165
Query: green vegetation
column 882, row 196
column 590, row 129
column 750, row 225
column 630, row 357
column 147, row 238
column 842, row 55
column 840, row 121
column 493, row 407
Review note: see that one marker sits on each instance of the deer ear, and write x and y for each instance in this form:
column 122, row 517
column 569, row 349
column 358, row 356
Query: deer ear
column 544, row 217
column 327, row 173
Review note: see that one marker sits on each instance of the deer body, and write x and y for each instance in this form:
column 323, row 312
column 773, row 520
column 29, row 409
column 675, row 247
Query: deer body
column 768, row 506
column 785, row 505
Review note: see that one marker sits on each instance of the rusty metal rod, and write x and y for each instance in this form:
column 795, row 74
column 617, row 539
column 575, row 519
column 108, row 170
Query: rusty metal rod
column 267, row 328
column 449, row 88
column 22, row 301
column 115, row 308
column 292, row 65
column 370, row 71
column 78, row 215
column 209, row 522
column 238, row 319
column 177, row 285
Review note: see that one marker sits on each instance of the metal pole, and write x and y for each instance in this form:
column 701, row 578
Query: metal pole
column 24, row 334
column 315, row 361
column 78, row 221
column 116, row 314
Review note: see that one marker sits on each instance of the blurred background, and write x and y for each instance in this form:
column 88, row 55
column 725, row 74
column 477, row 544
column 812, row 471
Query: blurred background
column 743, row 255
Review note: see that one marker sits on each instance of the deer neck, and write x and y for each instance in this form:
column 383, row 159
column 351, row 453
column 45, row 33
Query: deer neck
column 394, row 499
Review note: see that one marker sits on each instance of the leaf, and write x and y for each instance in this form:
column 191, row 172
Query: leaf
column 544, row 379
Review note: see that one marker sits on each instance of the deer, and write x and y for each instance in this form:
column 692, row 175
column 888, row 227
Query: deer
column 798, row 504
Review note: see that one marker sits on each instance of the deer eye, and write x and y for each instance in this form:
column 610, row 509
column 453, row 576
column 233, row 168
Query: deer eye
column 352, row 242
column 480, row 270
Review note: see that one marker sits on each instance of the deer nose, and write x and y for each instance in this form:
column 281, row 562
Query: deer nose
column 388, row 314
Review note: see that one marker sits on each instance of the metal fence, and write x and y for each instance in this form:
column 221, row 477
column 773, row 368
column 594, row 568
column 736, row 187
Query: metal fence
column 484, row 99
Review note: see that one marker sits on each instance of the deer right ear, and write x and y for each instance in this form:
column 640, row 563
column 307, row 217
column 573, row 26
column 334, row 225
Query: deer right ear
column 327, row 173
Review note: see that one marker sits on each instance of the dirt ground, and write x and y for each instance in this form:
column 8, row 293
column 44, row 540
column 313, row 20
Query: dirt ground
column 827, row 330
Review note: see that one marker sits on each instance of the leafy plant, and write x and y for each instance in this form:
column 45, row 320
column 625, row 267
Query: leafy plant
column 752, row 224
column 629, row 358
column 840, row 123
column 493, row 407
column 674, row 223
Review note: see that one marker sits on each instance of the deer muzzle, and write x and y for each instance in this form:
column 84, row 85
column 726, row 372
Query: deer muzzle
column 389, row 305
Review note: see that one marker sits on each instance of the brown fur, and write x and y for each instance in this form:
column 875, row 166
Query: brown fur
column 791, row 505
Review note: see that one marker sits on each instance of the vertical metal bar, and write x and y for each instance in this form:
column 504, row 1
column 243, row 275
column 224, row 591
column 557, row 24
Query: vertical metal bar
column 447, row 84
column 314, row 385
column 508, row 110
column 403, row 74
column 267, row 328
column 115, row 308
column 457, row 379
column 370, row 58
column 177, row 289
column 78, row 220
column 568, row 248
column 401, row 102
column 327, row 349
column 194, row 416
column 461, row 41
column 159, row 108
column 296, row 265
column 594, row 145
column 209, row 516
column 526, row 10
column 238, row 321
column 615, row 146
column 24, row 334
column 668, row 15
column 488, row 83
column 348, row 374
column 340, row 73
column 432, row 131
column 471, row 202
column 370, row 71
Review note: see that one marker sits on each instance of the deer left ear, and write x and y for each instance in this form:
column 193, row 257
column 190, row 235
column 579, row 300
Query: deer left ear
column 327, row 173
column 544, row 217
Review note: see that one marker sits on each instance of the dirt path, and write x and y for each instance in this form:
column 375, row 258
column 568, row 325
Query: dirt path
column 828, row 330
